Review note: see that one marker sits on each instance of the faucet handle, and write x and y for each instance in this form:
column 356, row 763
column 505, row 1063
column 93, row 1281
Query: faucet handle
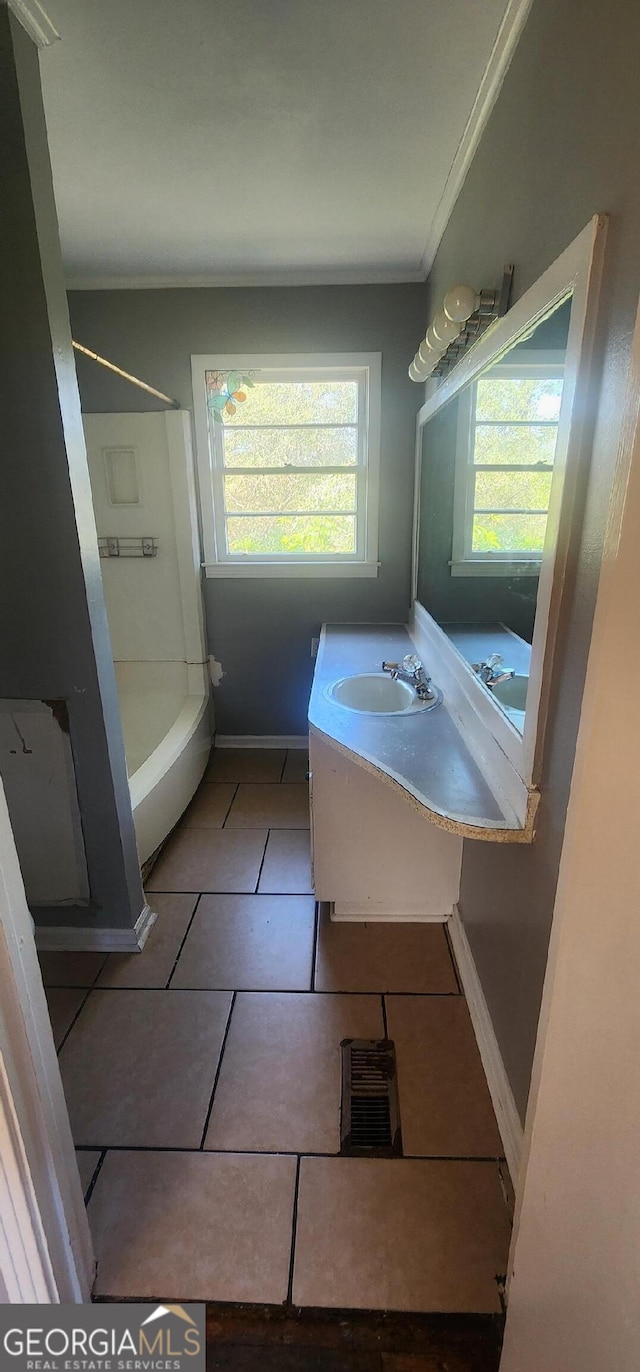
column 411, row 663
column 390, row 666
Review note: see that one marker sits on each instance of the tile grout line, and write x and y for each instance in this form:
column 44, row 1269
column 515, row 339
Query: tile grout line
column 384, row 1015
column 179, row 952
column 83, row 1002
column 284, row 765
column 452, row 959
column 78, row 1013
column 233, row 893
column 294, row 1225
column 99, row 971
column 236, row 786
column 486, row 1159
column 274, row 991
column 217, row 1075
column 264, row 854
column 96, row 1173
column 64, row 986
column 314, row 950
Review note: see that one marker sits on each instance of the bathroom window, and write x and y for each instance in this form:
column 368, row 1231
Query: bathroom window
column 288, row 456
column 507, row 429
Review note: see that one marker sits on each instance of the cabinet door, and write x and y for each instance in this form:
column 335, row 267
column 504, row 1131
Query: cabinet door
column 376, row 855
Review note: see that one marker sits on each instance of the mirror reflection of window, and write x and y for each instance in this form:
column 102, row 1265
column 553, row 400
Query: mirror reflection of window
column 487, row 473
column 508, row 423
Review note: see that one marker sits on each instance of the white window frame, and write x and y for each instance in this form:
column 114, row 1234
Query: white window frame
column 365, row 368
column 465, row 561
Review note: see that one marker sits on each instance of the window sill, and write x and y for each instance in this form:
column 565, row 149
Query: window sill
column 489, row 567
column 258, row 570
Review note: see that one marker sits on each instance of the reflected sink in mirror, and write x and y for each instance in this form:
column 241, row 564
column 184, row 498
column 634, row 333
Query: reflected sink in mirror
column 512, row 694
column 375, row 693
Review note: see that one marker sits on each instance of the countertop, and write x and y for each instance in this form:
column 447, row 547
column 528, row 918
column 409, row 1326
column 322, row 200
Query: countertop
column 423, row 753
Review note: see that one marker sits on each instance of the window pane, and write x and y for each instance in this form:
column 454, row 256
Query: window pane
column 288, row 534
column 509, row 533
column 512, row 490
column 295, row 447
column 502, row 443
column 281, row 402
column 518, row 398
column 289, row 492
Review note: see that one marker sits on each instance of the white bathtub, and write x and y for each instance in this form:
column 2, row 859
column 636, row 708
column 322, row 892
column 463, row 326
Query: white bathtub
column 167, row 738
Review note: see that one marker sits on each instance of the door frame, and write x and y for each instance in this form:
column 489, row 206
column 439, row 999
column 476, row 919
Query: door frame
column 46, row 1254
column 572, row 1267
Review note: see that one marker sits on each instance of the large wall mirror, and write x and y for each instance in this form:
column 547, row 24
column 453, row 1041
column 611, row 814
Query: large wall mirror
column 500, row 457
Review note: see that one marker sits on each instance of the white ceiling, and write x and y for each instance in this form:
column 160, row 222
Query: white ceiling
column 260, row 141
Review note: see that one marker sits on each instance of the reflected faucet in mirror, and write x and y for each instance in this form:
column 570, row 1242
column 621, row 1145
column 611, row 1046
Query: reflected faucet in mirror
column 492, row 672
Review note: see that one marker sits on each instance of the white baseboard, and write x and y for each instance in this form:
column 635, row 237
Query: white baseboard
column 58, row 939
column 261, row 741
column 381, row 914
column 511, row 1131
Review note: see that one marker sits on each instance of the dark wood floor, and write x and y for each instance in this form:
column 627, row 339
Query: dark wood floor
column 273, row 1340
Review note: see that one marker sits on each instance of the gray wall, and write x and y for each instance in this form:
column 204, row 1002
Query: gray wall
column 562, row 143
column 53, row 628
column 261, row 630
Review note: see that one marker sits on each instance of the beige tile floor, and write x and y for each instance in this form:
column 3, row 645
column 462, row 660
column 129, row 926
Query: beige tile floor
column 416, row 1235
column 203, row 1081
column 249, row 943
column 279, row 1084
column 64, row 1003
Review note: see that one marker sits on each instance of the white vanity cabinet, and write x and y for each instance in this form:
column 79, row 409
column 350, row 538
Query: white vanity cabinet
column 375, row 854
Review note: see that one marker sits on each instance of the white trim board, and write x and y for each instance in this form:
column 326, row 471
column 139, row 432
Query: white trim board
column 58, row 938
column 45, row 1245
column 373, row 276
column 509, row 1123
column 508, row 35
column 25, row 1264
column 261, row 741
column 342, row 570
column 36, row 22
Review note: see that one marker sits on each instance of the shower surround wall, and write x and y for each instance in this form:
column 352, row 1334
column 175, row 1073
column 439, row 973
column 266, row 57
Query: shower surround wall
column 260, row 631
column 143, row 485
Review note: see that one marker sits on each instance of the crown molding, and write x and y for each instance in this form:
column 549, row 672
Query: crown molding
column 513, row 22
column 185, row 280
column 37, row 24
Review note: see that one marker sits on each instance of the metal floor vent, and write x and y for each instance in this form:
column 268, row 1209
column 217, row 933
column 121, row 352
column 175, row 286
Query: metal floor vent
column 369, row 1117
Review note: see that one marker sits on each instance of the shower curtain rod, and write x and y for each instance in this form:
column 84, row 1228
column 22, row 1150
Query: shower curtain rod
column 111, row 366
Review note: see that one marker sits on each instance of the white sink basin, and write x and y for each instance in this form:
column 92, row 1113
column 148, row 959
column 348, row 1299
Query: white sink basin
column 375, row 693
column 512, row 694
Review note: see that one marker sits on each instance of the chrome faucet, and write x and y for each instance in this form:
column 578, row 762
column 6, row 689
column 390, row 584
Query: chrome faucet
column 411, row 670
column 493, row 671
